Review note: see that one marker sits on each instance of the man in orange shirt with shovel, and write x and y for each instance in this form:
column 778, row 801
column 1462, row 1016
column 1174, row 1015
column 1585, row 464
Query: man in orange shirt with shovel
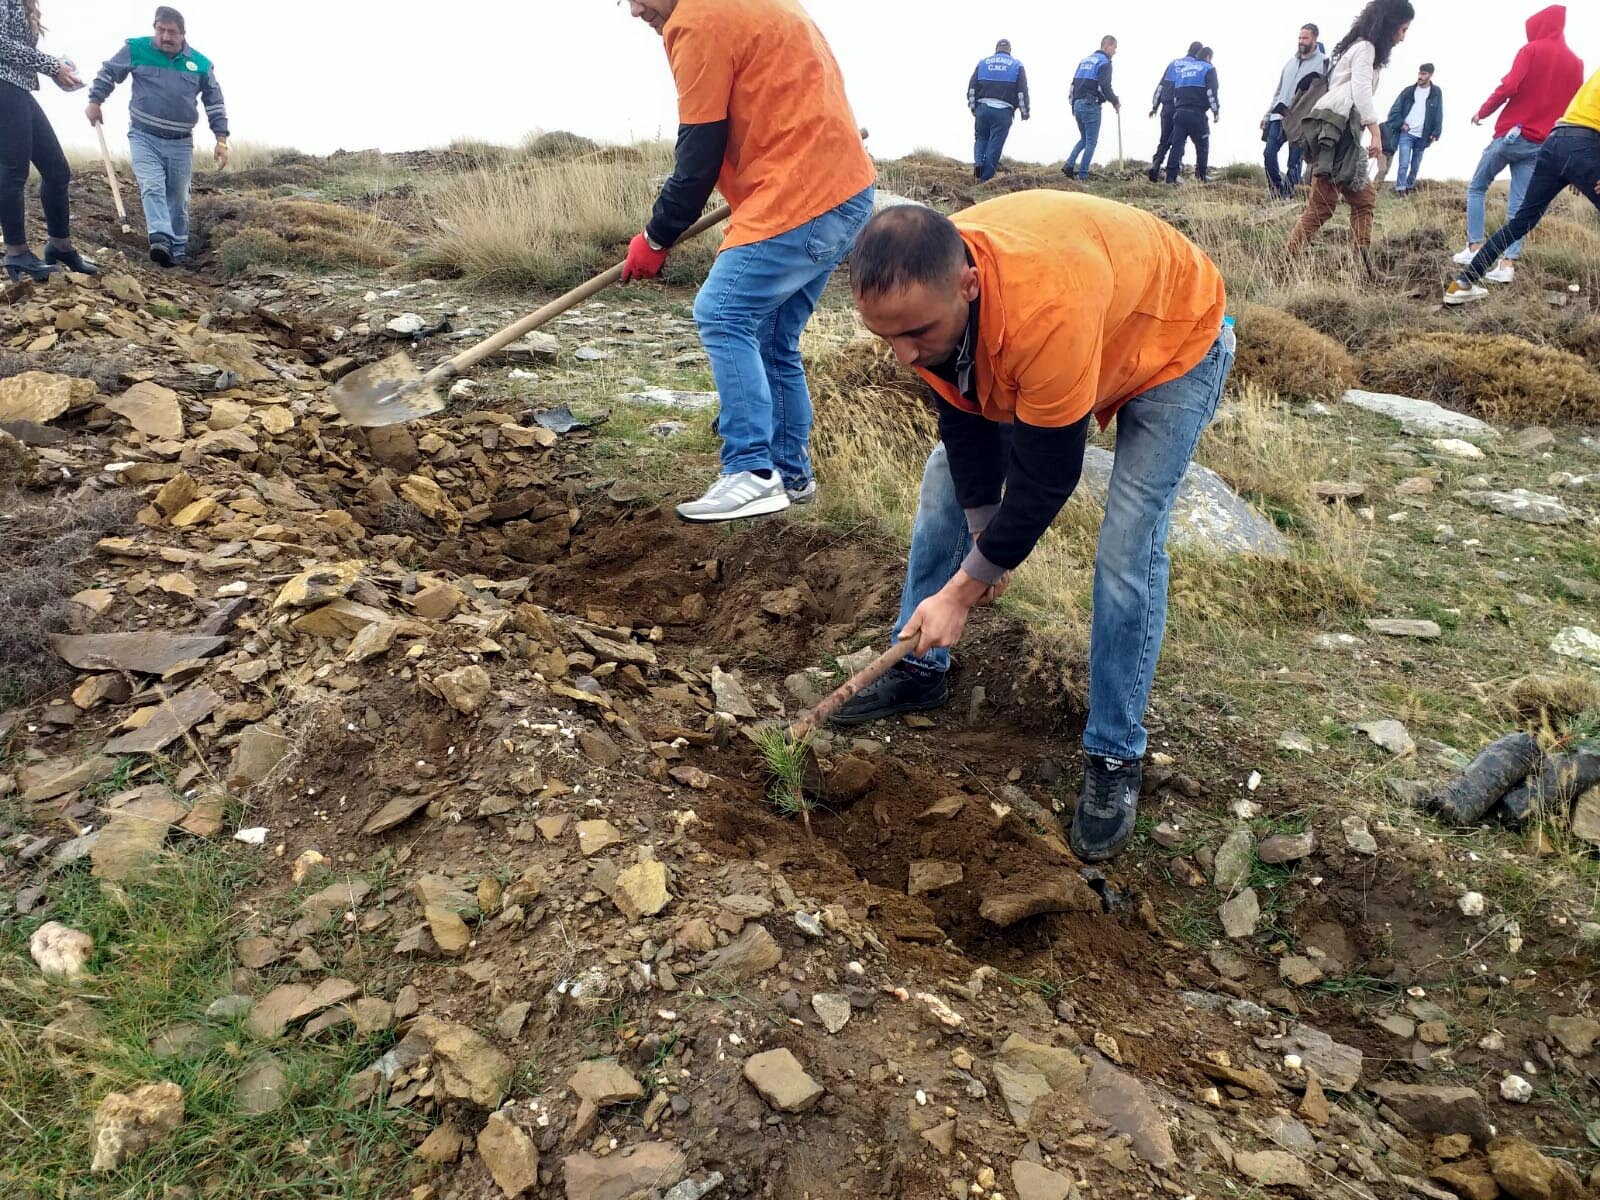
column 763, row 115
column 1030, row 315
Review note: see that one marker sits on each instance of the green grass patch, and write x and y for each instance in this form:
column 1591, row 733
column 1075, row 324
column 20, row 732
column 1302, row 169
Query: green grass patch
column 163, row 954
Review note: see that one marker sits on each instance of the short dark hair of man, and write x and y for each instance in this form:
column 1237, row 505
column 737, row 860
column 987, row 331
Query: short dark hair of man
column 906, row 245
column 1003, row 46
column 1315, row 32
column 170, row 16
column 1108, row 40
column 1428, row 67
column 1206, row 53
column 1195, row 48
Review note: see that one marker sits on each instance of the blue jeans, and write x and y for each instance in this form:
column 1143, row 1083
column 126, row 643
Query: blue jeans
column 1570, row 157
column 1087, row 114
column 1408, row 161
column 162, row 167
column 751, row 311
column 1281, row 185
column 1157, row 433
column 993, row 126
column 1516, row 152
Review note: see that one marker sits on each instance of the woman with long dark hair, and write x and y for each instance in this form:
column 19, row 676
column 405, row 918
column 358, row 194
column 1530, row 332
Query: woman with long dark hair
column 26, row 137
column 1331, row 133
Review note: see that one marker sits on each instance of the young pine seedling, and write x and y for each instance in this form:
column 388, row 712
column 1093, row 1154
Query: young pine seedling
column 786, row 759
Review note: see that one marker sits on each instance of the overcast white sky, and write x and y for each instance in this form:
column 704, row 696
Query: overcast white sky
column 401, row 74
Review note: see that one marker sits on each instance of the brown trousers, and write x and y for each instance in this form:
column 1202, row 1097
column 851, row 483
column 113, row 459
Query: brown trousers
column 1324, row 203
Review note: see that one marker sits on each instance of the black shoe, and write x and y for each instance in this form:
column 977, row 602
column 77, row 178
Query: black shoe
column 71, row 260
column 30, row 265
column 904, row 689
column 161, row 254
column 1107, row 808
column 1153, row 175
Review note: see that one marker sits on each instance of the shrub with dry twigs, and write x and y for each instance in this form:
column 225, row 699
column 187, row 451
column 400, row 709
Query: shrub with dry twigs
column 1504, row 379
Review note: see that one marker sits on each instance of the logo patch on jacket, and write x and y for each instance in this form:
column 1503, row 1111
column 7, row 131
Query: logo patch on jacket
column 191, row 65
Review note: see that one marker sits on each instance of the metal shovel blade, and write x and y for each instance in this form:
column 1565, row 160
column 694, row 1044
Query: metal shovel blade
column 388, row 392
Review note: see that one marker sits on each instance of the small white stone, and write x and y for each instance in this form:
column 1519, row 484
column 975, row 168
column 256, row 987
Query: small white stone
column 1254, row 781
column 1471, row 904
column 1516, row 1089
column 1492, row 1042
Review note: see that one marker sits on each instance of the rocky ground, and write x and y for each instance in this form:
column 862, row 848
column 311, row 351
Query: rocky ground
column 464, row 709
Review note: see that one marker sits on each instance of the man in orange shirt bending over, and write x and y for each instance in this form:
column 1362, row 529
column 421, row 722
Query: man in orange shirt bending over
column 762, row 115
column 1029, row 315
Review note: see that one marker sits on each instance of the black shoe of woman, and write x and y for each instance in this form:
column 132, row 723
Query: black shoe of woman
column 28, row 265
column 71, row 260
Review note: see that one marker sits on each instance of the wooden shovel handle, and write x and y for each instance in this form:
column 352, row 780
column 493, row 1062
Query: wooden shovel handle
column 874, row 671
column 111, row 174
column 451, row 368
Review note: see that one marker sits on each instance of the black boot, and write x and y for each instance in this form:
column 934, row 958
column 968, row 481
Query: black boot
column 29, row 265
column 1499, row 767
column 905, row 689
column 161, row 252
column 71, row 260
column 1107, row 808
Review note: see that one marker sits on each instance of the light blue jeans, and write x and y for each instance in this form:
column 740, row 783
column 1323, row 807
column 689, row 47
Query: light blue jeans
column 751, row 311
column 1157, row 432
column 1087, row 114
column 163, row 167
column 1516, row 152
column 1408, row 162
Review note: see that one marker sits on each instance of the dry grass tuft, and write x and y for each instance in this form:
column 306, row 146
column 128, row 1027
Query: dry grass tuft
column 1500, row 378
column 550, row 223
column 46, row 546
column 310, row 235
column 1283, row 354
column 1548, row 700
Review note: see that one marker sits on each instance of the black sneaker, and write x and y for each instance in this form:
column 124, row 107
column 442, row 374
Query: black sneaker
column 161, row 255
column 30, row 265
column 904, row 689
column 1107, row 808
column 71, row 260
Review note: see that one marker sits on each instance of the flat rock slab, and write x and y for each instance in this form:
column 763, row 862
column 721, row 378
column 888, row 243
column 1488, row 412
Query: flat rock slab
column 1401, row 627
column 39, row 396
column 151, row 409
column 173, row 719
column 1209, row 515
column 468, row 1066
column 1578, row 643
column 666, row 398
column 1030, row 1181
column 752, row 953
column 151, row 653
column 131, row 842
column 1063, row 892
column 1439, row 1111
column 1273, row 1168
column 604, row 1081
column 1122, row 1102
column 262, row 1088
column 931, row 875
column 397, row 812
column 275, row 1011
column 782, row 1081
column 1422, row 418
column 625, row 1174
column 1337, row 1065
column 56, row 778
column 1535, row 508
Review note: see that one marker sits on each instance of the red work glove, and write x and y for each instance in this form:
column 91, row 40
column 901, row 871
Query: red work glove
column 644, row 260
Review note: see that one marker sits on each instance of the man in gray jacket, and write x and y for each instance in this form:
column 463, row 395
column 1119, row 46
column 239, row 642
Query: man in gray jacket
column 1308, row 61
column 170, row 81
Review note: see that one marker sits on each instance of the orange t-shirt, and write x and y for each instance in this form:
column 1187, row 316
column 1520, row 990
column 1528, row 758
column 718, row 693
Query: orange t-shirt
column 1086, row 303
column 794, row 151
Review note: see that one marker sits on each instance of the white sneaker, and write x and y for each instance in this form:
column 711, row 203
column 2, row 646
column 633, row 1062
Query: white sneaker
column 1464, row 293
column 744, row 494
column 803, row 495
column 1464, row 258
column 1505, row 272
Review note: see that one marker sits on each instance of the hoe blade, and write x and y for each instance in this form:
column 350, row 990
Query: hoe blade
column 384, row 393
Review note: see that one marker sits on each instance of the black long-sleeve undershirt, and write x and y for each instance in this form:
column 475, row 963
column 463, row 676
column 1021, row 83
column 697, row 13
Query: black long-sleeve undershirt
column 1011, row 497
column 700, row 153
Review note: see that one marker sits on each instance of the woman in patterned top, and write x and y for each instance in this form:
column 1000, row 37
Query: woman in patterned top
column 26, row 137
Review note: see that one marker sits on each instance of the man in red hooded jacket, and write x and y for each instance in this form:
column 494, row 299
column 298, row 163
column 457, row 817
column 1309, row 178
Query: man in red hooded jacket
column 1530, row 99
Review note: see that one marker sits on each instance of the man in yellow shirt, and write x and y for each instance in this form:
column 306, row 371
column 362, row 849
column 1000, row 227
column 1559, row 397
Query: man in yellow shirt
column 1569, row 156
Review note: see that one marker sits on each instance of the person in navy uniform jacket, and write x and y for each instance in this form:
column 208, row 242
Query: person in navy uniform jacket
column 1162, row 101
column 1194, row 98
column 1091, row 88
column 997, row 93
